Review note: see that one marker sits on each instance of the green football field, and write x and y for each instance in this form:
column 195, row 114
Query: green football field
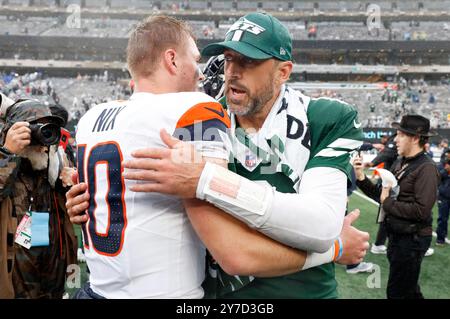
column 434, row 279
column 435, row 274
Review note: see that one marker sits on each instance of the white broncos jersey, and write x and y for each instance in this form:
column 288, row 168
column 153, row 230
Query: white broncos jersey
column 142, row 245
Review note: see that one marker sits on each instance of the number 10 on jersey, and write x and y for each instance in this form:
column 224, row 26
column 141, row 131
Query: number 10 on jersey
column 110, row 242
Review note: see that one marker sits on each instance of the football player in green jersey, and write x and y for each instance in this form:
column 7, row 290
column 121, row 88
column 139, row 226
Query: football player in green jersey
column 286, row 177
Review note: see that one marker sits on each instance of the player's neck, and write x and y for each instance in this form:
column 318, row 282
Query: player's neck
column 254, row 121
column 148, row 85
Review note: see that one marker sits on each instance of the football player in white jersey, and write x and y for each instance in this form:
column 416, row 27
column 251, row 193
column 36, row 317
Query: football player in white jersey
column 140, row 245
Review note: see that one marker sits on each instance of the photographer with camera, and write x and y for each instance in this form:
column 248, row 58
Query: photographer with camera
column 37, row 240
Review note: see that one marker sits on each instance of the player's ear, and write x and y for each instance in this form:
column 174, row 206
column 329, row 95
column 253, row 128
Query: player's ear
column 170, row 61
column 284, row 70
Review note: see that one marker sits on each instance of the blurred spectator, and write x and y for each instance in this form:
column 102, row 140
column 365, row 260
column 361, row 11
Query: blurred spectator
column 312, row 31
column 445, row 155
column 443, row 203
column 384, row 159
column 442, row 149
column 428, row 150
column 388, row 154
column 406, row 36
column 431, row 98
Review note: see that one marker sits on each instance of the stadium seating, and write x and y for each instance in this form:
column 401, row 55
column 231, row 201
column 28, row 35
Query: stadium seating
column 120, row 28
column 277, row 5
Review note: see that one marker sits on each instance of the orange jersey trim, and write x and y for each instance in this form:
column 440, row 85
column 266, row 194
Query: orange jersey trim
column 202, row 112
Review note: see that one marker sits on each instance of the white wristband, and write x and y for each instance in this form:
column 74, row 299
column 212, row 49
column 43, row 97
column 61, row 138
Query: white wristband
column 244, row 199
column 316, row 259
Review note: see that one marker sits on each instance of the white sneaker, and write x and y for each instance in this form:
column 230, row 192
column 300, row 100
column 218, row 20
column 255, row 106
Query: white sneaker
column 445, row 242
column 80, row 256
column 362, row 267
column 378, row 250
column 434, row 234
column 429, row 252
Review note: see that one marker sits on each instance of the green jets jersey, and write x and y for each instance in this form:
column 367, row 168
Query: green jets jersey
column 326, row 134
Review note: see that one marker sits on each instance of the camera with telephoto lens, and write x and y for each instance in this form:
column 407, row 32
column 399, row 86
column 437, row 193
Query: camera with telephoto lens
column 45, row 134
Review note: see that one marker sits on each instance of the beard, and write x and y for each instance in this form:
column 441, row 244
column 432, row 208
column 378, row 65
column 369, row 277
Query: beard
column 256, row 101
column 37, row 158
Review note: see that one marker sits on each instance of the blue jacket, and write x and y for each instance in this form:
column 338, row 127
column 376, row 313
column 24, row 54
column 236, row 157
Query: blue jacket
column 444, row 187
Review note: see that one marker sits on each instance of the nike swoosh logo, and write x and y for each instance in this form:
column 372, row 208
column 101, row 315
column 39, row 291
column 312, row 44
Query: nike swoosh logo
column 357, row 125
column 221, row 113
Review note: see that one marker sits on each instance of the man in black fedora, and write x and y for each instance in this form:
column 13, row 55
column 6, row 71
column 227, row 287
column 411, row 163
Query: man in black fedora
column 407, row 207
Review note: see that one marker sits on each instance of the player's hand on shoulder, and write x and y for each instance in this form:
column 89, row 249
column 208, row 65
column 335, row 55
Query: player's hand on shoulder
column 174, row 170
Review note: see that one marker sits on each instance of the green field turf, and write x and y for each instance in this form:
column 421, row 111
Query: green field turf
column 434, row 279
column 435, row 274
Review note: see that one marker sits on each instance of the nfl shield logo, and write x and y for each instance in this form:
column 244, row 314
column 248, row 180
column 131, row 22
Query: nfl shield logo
column 250, row 159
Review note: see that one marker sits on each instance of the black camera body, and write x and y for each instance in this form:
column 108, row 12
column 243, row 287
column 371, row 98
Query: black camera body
column 44, row 125
column 45, row 134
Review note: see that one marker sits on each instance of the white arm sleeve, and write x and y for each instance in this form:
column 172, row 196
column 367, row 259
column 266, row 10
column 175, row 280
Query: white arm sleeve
column 310, row 220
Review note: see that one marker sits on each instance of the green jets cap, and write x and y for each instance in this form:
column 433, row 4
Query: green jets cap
column 258, row 36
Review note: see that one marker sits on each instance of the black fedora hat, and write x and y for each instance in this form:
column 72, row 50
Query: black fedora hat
column 415, row 125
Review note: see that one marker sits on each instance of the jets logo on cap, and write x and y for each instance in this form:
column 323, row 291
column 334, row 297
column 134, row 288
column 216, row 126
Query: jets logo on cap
column 244, row 25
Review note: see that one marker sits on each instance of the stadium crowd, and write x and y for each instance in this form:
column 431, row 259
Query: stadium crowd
column 377, row 108
column 300, row 30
